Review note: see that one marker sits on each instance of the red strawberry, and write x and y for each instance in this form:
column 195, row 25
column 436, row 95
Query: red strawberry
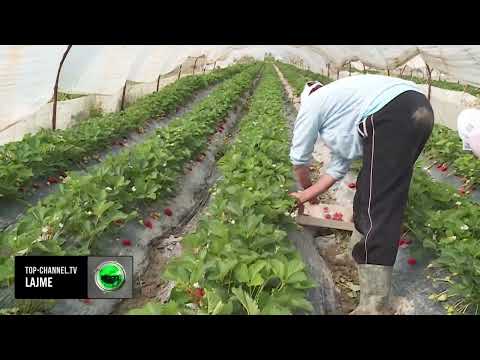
column 126, row 242
column 53, row 180
column 461, row 190
column 168, row 212
column 199, row 292
column 402, row 242
column 352, row 185
column 328, row 216
column 325, row 209
column 338, row 216
column 148, row 223
column 439, row 166
column 411, row 261
column 444, row 168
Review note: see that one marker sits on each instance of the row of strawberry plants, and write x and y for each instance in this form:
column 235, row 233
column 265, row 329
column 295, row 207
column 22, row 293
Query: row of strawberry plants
column 445, row 146
column 49, row 152
column 239, row 260
column 297, row 78
column 87, row 206
column 448, row 225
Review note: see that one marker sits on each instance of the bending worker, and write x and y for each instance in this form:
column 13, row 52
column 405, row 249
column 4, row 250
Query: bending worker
column 468, row 124
column 387, row 121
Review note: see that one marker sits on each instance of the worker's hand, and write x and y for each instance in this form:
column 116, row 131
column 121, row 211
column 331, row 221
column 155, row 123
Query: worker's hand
column 301, row 197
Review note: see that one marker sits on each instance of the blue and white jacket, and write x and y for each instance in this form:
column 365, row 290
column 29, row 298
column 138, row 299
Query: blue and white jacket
column 334, row 111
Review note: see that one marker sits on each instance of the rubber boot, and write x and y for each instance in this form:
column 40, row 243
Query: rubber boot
column 375, row 285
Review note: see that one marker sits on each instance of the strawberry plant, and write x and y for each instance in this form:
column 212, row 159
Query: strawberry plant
column 446, row 147
column 240, row 255
column 447, row 225
column 48, row 152
column 87, row 206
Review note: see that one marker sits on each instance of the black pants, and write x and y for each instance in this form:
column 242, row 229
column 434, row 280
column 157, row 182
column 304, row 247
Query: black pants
column 393, row 139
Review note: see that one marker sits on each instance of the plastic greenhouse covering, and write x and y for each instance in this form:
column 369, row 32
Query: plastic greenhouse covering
column 28, row 72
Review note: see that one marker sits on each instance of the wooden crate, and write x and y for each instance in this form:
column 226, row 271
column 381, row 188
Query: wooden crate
column 314, row 215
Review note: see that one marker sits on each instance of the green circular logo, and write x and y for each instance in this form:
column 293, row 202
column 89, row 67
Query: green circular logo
column 110, row 276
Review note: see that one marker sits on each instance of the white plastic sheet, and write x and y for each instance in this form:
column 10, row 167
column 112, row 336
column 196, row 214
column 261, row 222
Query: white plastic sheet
column 27, row 79
column 27, row 73
column 97, row 69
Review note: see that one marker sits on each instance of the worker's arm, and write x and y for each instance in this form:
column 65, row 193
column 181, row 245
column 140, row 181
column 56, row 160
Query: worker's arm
column 305, row 134
column 336, row 170
column 302, row 174
column 322, row 185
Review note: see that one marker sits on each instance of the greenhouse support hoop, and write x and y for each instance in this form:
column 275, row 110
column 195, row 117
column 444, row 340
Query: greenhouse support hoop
column 194, row 66
column 429, row 80
column 55, row 89
column 158, row 81
column 123, row 96
column 179, row 71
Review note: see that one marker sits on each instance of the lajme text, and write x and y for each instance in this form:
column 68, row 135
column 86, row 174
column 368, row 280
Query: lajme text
column 39, row 282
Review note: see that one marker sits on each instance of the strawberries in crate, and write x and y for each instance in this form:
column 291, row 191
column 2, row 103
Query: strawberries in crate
column 337, row 216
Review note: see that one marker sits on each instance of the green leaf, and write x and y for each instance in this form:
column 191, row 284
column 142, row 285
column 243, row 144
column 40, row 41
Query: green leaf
column 241, row 273
column 278, row 268
column 275, row 309
column 247, row 302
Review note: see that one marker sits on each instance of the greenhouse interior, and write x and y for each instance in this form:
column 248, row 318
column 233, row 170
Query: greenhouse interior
column 239, row 179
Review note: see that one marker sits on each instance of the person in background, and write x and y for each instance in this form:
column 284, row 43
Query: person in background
column 387, row 121
column 468, row 125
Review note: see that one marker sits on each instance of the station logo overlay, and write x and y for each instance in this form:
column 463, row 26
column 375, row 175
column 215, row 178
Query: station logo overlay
column 73, row 277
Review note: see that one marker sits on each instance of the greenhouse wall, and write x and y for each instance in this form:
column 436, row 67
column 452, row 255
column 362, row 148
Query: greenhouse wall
column 70, row 111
